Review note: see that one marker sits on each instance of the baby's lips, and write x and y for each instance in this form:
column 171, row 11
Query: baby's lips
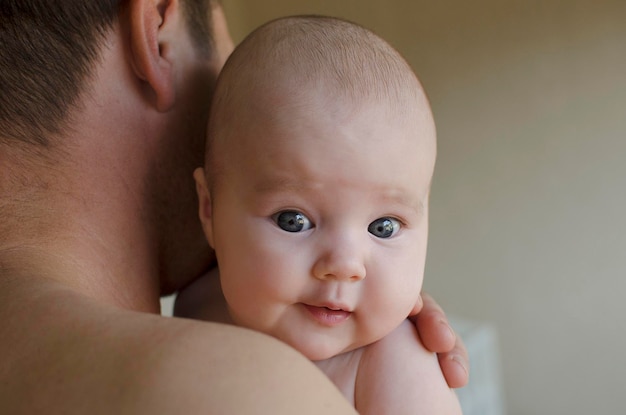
column 328, row 316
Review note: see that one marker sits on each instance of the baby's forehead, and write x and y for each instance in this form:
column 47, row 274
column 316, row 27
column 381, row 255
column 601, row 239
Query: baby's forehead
column 283, row 112
column 319, row 119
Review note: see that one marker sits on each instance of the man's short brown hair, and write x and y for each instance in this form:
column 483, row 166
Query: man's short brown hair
column 47, row 50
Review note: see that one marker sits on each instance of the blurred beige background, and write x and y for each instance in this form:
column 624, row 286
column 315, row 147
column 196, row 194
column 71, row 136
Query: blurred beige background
column 528, row 225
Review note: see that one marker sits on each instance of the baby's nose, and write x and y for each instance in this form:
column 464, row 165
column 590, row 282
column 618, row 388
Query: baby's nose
column 344, row 264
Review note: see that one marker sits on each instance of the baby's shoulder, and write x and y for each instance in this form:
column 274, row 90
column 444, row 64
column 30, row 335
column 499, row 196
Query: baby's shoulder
column 399, row 375
column 403, row 345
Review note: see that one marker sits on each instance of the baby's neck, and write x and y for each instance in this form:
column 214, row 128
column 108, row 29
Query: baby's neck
column 342, row 370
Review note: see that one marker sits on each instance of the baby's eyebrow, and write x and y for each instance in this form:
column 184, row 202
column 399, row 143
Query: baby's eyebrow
column 403, row 198
column 392, row 196
column 283, row 184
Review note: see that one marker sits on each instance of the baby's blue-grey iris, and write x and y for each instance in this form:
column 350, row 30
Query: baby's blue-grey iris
column 291, row 221
column 382, row 227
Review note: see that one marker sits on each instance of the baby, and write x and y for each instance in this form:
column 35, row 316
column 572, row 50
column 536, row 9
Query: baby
column 321, row 149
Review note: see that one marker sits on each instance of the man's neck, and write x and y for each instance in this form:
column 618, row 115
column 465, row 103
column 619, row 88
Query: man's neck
column 80, row 218
column 105, row 256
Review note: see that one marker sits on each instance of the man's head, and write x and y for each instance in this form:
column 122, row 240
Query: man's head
column 320, row 158
column 48, row 53
column 102, row 117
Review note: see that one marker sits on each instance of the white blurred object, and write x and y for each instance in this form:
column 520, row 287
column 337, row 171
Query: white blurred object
column 483, row 395
column 167, row 305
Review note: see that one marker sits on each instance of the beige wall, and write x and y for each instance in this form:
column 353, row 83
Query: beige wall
column 528, row 225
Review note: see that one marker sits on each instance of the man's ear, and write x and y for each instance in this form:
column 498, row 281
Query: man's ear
column 150, row 21
column 205, row 211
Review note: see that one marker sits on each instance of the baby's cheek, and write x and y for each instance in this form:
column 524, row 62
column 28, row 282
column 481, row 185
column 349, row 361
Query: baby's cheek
column 386, row 309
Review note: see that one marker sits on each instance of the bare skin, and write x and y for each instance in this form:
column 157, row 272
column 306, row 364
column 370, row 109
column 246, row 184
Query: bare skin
column 109, row 360
column 84, row 258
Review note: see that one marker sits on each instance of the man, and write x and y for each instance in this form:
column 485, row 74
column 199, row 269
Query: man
column 102, row 118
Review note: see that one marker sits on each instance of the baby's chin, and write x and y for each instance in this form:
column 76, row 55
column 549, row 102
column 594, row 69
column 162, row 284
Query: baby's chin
column 322, row 350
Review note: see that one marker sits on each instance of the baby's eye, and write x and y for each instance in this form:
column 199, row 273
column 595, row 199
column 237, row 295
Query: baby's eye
column 384, row 227
column 292, row 221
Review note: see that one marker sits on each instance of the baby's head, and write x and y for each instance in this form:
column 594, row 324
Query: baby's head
column 321, row 149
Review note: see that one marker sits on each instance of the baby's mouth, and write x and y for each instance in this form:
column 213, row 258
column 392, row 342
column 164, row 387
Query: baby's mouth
column 328, row 315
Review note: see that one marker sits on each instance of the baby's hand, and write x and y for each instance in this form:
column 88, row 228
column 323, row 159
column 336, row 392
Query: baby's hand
column 438, row 337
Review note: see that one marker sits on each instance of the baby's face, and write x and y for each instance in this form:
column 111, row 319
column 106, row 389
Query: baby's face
column 320, row 220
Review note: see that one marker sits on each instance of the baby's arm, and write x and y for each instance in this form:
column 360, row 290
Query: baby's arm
column 397, row 375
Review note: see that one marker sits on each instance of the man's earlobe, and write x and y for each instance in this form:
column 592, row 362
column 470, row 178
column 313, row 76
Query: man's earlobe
column 148, row 19
column 205, row 211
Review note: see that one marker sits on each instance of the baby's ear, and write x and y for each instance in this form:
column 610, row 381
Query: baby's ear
column 204, row 204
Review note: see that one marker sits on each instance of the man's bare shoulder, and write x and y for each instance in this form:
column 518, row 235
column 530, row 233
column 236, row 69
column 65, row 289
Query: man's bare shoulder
column 66, row 353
